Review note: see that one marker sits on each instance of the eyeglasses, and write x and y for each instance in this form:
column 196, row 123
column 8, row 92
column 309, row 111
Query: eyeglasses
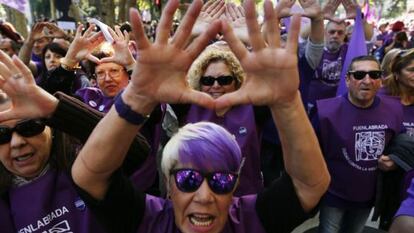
column 26, row 128
column 113, row 73
column 189, row 180
column 222, row 80
column 359, row 74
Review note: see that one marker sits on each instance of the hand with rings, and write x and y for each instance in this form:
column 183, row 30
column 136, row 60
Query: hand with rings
column 28, row 99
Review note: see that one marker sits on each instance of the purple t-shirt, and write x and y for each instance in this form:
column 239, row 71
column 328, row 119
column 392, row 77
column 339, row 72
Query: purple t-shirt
column 95, row 98
column 407, row 206
column 352, row 140
column 51, row 204
column 325, row 80
column 242, row 216
column 408, row 111
column 408, row 120
column 145, row 176
column 240, row 122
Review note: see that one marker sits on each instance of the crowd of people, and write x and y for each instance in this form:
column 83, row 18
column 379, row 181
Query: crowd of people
column 119, row 136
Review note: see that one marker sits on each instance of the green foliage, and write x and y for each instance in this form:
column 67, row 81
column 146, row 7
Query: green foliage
column 40, row 8
column 395, row 9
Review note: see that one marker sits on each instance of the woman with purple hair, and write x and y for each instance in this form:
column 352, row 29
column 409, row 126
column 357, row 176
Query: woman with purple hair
column 204, row 151
column 202, row 162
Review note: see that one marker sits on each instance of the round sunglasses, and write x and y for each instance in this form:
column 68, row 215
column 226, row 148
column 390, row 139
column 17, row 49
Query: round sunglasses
column 222, row 80
column 189, row 180
column 359, row 74
column 25, row 128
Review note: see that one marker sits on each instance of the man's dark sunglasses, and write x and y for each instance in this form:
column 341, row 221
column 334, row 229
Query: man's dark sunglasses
column 359, row 75
column 26, row 128
column 189, row 180
column 222, row 80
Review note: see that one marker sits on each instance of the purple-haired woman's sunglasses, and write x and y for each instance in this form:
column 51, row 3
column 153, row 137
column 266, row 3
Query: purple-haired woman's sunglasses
column 189, row 180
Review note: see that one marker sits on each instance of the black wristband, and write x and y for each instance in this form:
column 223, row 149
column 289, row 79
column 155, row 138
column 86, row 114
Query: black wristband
column 125, row 111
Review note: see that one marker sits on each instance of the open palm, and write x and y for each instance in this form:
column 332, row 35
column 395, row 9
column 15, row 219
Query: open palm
column 28, row 99
column 271, row 71
column 173, row 55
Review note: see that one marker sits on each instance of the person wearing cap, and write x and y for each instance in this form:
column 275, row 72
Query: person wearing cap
column 354, row 130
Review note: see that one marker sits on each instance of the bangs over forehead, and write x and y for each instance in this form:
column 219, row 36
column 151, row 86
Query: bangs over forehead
column 204, row 146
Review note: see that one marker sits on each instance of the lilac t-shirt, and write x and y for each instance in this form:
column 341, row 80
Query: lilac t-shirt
column 240, row 122
column 325, row 81
column 94, row 98
column 51, row 204
column 352, row 140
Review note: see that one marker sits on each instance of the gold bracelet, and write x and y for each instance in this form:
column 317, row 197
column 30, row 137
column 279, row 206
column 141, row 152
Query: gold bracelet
column 67, row 67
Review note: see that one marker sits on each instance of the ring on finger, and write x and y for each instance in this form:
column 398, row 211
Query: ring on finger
column 17, row 76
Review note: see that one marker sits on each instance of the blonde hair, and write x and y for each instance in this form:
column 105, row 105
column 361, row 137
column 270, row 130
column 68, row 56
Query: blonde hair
column 387, row 60
column 400, row 61
column 212, row 55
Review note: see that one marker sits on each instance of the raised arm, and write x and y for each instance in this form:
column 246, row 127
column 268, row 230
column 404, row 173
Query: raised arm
column 350, row 9
column 26, row 50
column 329, row 10
column 313, row 11
column 122, row 55
column 62, row 112
column 236, row 17
column 314, row 49
column 273, row 70
column 283, row 8
column 82, row 46
column 158, row 76
column 210, row 12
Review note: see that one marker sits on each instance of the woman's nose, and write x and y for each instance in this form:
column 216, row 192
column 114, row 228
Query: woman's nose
column 204, row 194
column 17, row 140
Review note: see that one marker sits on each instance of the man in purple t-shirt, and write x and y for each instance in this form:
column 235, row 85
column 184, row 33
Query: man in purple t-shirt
column 323, row 83
column 354, row 130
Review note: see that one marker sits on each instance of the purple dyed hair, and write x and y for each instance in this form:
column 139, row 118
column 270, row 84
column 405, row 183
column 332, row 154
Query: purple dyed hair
column 205, row 146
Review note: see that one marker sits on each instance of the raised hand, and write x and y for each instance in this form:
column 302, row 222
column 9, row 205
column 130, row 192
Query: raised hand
column 350, row 8
column 329, row 10
column 28, row 99
column 311, row 8
column 54, row 31
column 83, row 45
column 122, row 55
column 283, row 8
column 237, row 19
column 161, row 67
column 269, row 68
column 37, row 31
column 210, row 12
